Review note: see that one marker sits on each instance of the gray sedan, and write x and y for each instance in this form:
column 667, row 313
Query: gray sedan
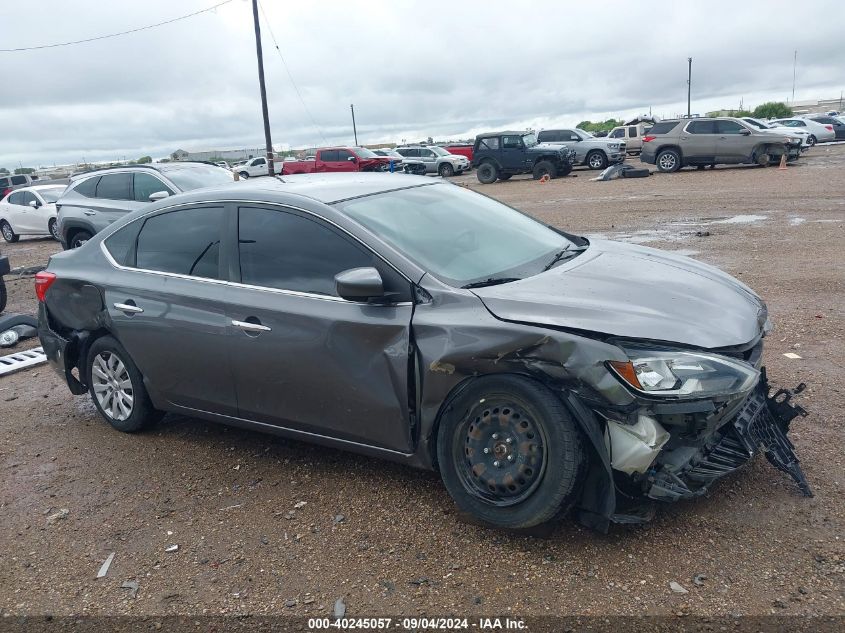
column 418, row 321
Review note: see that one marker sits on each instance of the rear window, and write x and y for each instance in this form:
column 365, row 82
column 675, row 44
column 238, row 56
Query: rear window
column 664, row 127
column 19, row 180
column 489, row 143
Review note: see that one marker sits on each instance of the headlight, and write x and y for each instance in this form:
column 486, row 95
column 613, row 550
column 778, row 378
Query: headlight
column 682, row 374
column 613, row 146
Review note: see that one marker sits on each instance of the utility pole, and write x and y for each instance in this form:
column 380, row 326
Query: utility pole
column 354, row 129
column 689, row 87
column 271, row 170
column 794, row 64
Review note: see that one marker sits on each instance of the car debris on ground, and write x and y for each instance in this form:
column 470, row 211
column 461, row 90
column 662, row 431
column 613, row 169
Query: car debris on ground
column 104, row 568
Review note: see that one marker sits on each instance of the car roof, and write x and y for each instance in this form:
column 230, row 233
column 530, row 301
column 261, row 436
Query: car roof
column 324, row 188
column 508, row 132
column 159, row 167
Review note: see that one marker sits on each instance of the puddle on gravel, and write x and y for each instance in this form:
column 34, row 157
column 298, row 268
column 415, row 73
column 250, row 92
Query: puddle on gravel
column 741, row 219
column 797, row 221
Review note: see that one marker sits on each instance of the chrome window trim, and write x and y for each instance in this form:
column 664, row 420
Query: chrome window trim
column 236, row 284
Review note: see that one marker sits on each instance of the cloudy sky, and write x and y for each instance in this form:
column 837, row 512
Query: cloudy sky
column 412, row 69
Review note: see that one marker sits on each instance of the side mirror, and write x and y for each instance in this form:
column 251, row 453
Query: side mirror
column 34, row 204
column 352, row 159
column 746, row 132
column 359, row 284
column 158, row 195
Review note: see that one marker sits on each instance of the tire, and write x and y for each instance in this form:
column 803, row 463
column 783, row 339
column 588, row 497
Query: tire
column 127, row 409
column 763, row 159
column 811, row 140
column 78, row 239
column 487, row 173
column 3, row 295
column 8, row 234
column 668, row 161
column 53, row 228
column 504, row 177
column 243, row 175
column 635, row 173
column 446, row 170
column 544, row 168
column 521, row 425
column 596, row 159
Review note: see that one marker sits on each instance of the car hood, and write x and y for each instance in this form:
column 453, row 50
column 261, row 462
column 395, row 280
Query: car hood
column 545, row 147
column 634, row 292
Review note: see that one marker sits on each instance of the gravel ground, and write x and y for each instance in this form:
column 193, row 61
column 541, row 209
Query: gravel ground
column 268, row 526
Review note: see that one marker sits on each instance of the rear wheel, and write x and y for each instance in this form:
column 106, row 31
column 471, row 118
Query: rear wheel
column 446, row 170
column 509, row 453
column 117, row 387
column 243, row 174
column 8, row 234
column 53, row 227
column 544, row 168
column 596, row 159
column 668, row 160
column 487, row 173
column 79, row 238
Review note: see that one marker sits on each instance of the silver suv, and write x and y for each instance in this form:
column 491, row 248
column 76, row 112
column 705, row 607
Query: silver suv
column 95, row 199
column 592, row 151
column 677, row 143
column 436, row 159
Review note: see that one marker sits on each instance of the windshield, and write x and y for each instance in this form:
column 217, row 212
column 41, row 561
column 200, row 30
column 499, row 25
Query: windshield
column 363, row 152
column 459, row 236
column 50, row 195
column 198, row 176
column 529, row 139
column 584, row 134
column 439, row 150
column 757, row 123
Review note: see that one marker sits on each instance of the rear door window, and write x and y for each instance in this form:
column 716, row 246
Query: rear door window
column 489, row 143
column 185, row 242
column 632, row 132
column 16, row 198
column 701, row 127
column 115, row 187
column 329, row 156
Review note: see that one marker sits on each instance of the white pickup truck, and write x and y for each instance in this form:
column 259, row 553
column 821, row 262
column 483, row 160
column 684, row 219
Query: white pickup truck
column 257, row 167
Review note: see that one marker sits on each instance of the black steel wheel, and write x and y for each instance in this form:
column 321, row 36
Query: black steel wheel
column 487, row 173
column 510, row 453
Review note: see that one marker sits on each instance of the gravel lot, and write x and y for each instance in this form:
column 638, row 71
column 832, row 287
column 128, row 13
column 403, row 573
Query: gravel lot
column 268, row 526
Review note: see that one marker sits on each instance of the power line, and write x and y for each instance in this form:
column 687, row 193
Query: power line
column 290, row 76
column 110, row 35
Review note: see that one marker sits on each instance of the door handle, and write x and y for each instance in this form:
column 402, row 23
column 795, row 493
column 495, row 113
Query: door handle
column 128, row 308
column 684, row 138
column 250, row 327
column 90, row 212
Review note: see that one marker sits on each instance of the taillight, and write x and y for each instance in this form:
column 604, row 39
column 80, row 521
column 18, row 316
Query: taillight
column 829, row 128
column 43, row 281
column 647, row 139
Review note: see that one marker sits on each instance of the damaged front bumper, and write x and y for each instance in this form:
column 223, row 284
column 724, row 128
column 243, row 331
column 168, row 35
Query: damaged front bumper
column 680, row 464
column 761, row 424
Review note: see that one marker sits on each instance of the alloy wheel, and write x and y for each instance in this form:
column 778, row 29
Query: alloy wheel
column 502, row 452
column 7, row 232
column 112, row 386
column 667, row 161
column 596, row 161
column 54, row 230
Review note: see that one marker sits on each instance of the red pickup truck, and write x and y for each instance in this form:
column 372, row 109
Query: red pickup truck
column 336, row 159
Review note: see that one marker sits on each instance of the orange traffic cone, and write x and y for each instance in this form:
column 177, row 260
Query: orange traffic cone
column 544, row 179
column 782, row 161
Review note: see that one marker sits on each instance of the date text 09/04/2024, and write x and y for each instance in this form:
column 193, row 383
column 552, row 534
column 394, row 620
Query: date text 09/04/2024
column 482, row 624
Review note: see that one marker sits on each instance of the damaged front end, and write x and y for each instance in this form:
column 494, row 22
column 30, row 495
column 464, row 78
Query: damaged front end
column 687, row 450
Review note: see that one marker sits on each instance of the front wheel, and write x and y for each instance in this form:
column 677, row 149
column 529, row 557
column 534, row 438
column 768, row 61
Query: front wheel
column 117, row 387
column 544, row 168
column 510, row 453
column 446, row 170
column 244, row 175
column 596, row 160
column 811, row 140
column 487, row 173
column 53, row 227
column 8, row 234
column 79, row 238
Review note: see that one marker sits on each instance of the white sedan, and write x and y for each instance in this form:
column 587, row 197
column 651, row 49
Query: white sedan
column 816, row 132
column 30, row 211
column 801, row 133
